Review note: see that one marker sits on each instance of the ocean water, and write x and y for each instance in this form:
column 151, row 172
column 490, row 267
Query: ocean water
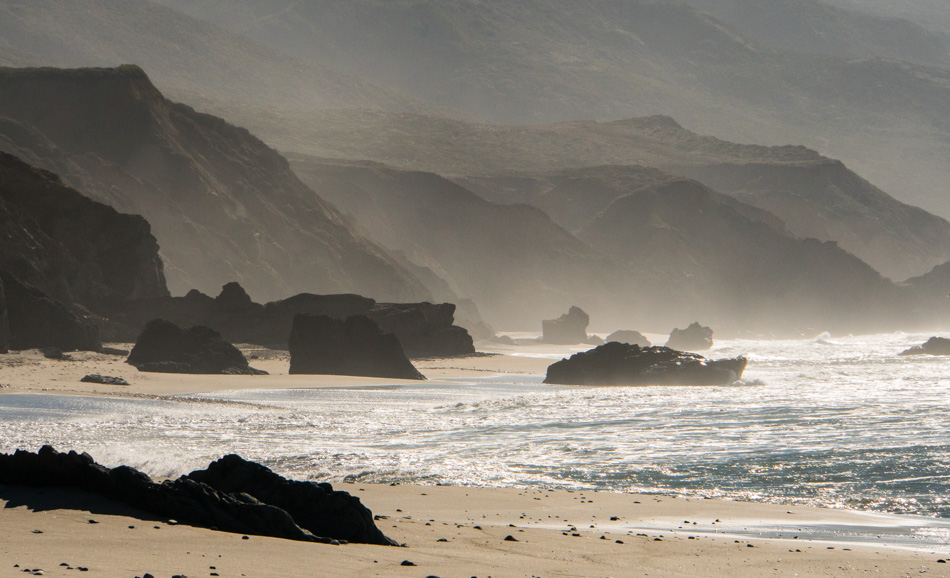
column 836, row 422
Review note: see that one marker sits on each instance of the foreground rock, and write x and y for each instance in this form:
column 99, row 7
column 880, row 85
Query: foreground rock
column 629, row 337
column 933, row 346
column 568, row 329
column 354, row 346
column 622, row 364
column 235, row 498
column 693, row 338
column 36, row 321
column 163, row 347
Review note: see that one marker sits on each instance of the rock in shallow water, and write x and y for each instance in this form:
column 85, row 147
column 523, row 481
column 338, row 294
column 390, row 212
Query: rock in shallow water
column 623, row 364
column 933, row 346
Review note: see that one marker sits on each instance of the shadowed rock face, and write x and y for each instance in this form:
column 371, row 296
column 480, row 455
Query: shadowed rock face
column 232, row 495
column 4, row 322
column 354, row 346
column 933, row 346
column 164, row 347
column 693, row 338
column 423, row 329
column 568, row 329
column 621, row 364
column 36, row 321
column 72, row 248
column 221, row 203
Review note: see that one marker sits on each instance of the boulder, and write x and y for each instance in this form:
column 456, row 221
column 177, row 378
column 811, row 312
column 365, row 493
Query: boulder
column 103, row 379
column 933, row 346
column 693, row 338
column 568, row 329
column 622, row 364
column 315, row 507
column 629, row 337
column 339, row 516
column 163, row 347
column 36, row 321
column 355, row 346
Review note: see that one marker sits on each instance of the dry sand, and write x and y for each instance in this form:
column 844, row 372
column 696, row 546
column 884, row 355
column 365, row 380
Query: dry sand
column 449, row 531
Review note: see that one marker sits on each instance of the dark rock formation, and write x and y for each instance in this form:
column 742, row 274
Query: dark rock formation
column 567, row 329
column 36, row 321
column 693, row 338
column 933, row 346
column 4, row 322
column 316, row 508
column 103, row 379
column 622, row 364
column 423, row 329
column 72, row 248
column 355, row 346
column 222, row 204
column 164, row 347
column 629, row 337
column 238, row 503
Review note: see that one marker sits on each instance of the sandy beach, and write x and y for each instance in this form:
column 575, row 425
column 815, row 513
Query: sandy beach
column 448, row 531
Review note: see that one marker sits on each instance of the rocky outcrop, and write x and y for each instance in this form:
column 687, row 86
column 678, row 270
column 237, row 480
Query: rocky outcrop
column 423, row 329
column 694, row 338
column 163, row 347
column 314, row 507
column 354, row 346
column 235, row 498
column 621, row 364
column 72, row 248
column 629, row 337
column 568, row 329
column 4, row 322
column 37, row 321
column 933, row 346
column 222, row 204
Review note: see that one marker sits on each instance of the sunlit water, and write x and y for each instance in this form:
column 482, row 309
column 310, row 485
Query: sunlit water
column 841, row 422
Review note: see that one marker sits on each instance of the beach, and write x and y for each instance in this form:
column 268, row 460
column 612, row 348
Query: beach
column 447, row 530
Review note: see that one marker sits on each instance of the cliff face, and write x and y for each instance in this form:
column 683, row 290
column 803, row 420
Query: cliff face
column 72, row 248
column 222, row 204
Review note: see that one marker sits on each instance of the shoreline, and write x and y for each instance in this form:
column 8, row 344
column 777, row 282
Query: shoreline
column 718, row 543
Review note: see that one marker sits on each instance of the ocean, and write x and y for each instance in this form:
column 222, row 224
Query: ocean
column 839, row 422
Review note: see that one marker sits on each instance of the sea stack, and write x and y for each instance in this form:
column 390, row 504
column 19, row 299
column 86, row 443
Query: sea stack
column 354, row 346
column 693, row 338
column 568, row 329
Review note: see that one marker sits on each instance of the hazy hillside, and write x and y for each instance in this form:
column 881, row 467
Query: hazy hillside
column 222, row 205
column 516, row 264
column 189, row 59
column 555, row 60
column 932, row 14
column 724, row 262
column 815, row 196
column 818, row 27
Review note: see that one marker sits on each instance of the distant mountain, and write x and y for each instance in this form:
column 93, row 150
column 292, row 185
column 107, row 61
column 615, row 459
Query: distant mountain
column 512, row 260
column 222, row 205
column 815, row 196
column 675, row 251
column 733, row 265
column 819, row 27
column 531, row 61
column 931, row 14
column 191, row 60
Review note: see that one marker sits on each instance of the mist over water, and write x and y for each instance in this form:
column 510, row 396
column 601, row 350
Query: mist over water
column 832, row 422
